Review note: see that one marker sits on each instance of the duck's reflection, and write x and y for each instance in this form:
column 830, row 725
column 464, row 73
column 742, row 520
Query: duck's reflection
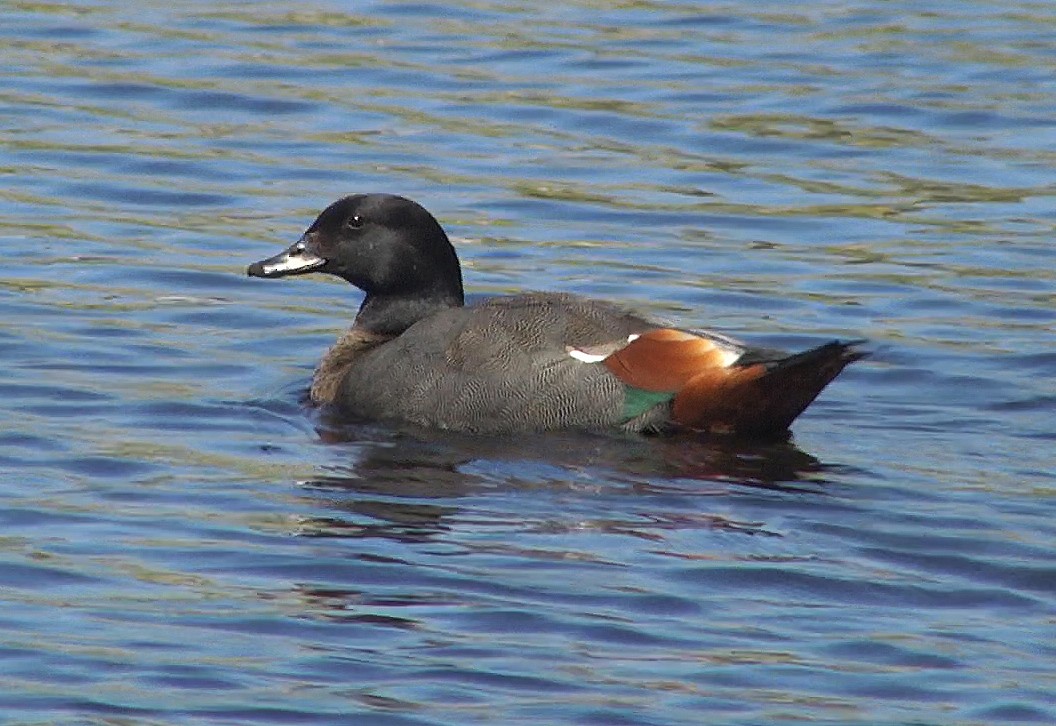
column 427, row 488
column 405, row 483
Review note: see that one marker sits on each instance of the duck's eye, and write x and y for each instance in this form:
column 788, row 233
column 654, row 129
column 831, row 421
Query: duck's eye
column 354, row 222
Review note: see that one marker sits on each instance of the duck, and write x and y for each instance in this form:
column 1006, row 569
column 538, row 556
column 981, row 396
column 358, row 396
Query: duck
column 535, row 361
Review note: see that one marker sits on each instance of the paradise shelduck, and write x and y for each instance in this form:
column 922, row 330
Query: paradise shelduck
column 533, row 361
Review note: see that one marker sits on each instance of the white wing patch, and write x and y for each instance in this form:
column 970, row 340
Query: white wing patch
column 729, row 357
column 605, row 352
column 586, row 357
column 731, row 349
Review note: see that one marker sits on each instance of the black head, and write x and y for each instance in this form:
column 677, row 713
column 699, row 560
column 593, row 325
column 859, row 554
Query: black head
column 387, row 246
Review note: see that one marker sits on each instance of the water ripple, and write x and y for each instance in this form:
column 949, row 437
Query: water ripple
column 185, row 541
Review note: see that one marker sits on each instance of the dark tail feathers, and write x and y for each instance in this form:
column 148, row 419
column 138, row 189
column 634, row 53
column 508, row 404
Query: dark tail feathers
column 791, row 384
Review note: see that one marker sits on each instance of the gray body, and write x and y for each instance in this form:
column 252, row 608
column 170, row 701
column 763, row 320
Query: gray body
column 501, row 365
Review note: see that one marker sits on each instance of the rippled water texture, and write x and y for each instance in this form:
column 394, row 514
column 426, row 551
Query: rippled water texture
column 184, row 542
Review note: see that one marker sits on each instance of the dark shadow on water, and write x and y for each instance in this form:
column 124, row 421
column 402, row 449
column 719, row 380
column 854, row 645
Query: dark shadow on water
column 404, row 483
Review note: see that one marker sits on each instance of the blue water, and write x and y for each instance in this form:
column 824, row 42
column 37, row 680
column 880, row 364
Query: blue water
column 183, row 541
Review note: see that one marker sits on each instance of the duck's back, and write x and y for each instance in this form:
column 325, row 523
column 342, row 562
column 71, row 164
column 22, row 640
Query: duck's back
column 501, row 365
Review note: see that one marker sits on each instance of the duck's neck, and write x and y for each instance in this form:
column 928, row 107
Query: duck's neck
column 393, row 313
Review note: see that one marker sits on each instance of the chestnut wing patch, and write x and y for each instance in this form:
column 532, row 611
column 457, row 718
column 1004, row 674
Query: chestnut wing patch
column 665, row 359
column 656, row 364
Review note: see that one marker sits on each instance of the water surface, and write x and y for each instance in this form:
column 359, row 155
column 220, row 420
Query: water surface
column 183, row 541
